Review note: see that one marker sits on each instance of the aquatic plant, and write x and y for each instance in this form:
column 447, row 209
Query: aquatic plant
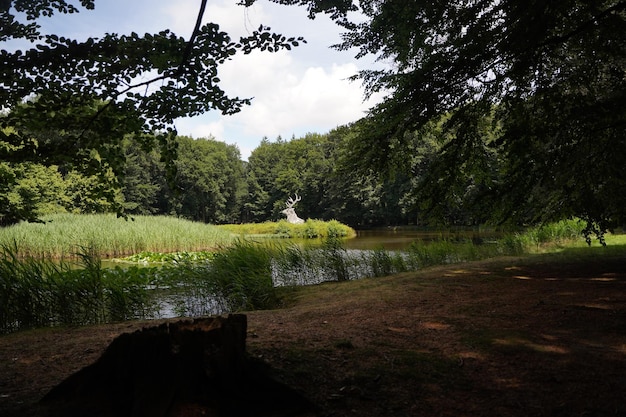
column 38, row 292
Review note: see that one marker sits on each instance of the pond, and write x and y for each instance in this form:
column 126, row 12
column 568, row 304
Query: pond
column 371, row 253
column 399, row 238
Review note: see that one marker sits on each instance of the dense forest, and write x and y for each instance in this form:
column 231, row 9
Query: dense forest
column 212, row 184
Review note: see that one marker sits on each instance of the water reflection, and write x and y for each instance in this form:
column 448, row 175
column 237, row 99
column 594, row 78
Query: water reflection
column 305, row 262
column 401, row 238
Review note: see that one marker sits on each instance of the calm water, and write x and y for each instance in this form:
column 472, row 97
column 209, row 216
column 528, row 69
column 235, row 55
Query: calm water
column 355, row 265
column 398, row 239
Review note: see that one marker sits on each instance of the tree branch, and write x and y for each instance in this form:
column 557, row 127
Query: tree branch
column 189, row 47
column 619, row 7
column 178, row 72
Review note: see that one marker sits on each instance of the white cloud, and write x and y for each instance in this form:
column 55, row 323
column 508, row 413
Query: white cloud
column 287, row 100
column 294, row 92
column 291, row 101
column 237, row 20
column 289, row 97
column 190, row 127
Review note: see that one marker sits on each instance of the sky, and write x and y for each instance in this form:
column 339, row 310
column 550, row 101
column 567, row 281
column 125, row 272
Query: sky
column 305, row 90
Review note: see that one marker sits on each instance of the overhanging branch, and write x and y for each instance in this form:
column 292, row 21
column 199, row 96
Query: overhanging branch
column 178, row 72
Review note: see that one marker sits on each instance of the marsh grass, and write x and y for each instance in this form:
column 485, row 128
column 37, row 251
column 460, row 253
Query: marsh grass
column 241, row 275
column 39, row 293
column 302, row 265
column 237, row 278
column 558, row 233
column 310, row 229
column 61, row 236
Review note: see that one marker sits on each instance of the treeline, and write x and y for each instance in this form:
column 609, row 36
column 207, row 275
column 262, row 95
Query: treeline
column 212, row 184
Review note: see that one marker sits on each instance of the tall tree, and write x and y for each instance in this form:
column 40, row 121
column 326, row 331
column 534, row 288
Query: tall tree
column 68, row 100
column 555, row 72
column 262, row 170
column 28, row 190
column 145, row 188
column 210, row 181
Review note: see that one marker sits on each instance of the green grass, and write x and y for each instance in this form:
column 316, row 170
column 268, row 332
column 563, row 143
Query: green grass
column 41, row 293
column 63, row 235
column 546, row 237
column 310, row 229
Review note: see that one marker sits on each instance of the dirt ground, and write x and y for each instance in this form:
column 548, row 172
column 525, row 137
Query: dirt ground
column 531, row 336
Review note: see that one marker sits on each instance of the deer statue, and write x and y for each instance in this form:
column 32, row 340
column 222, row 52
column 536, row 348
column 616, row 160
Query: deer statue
column 290, row 212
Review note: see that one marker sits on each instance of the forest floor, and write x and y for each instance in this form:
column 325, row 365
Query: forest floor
column 539, row 335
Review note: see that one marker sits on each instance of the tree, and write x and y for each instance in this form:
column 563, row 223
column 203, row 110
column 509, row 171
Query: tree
column 29, row 190
column 144, row 186
column 552, row 74
column 262, row 170
column 67, row 100
column 210, row 179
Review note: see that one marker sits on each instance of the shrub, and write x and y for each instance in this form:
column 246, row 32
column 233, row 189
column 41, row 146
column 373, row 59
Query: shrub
column 310, row 229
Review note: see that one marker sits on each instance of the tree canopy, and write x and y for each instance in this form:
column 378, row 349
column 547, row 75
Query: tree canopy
column 511, row 108
column 550, row 75
column 72, row 102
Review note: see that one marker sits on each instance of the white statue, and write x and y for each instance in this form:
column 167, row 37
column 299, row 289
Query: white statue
column 292, row 217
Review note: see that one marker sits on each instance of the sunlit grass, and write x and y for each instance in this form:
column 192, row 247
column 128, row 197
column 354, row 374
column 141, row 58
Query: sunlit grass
column 310, row 229
column 63, row 235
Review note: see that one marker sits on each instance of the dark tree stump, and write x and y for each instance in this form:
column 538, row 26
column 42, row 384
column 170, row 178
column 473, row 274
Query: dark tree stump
column 187, row 368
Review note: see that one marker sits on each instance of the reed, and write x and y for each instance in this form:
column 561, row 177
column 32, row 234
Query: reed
column 237, row 278
column 310, row 229
column 548, row 235
column 62, row 235
column 40, row 293
column 301, row 265
column 241, row 275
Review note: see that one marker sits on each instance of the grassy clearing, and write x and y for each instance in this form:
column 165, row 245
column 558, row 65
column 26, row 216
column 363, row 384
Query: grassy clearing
column 63, row 235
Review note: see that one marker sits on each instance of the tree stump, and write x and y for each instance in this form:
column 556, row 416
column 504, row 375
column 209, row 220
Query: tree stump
column 187, row 368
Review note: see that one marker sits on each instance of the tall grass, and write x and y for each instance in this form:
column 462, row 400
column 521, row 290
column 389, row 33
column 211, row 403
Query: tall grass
column 243, row 275
column 39, row 293
column 299, row 265
column 62, row 235
column 237, row 278
column 310, row 229
column 532, row 239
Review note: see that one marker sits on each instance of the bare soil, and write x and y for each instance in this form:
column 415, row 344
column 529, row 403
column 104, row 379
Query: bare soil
column 534, row 336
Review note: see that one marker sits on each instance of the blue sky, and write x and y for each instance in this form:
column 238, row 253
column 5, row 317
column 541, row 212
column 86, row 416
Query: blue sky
column 295, row 92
